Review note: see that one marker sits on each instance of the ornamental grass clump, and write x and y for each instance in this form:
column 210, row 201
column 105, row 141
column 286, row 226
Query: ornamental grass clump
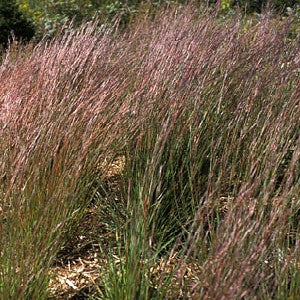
column 212, row 172
column 59, row 119
column 204, row 115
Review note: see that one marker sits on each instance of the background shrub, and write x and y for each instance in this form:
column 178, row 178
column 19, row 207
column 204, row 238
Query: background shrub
column 13, row 23
column 49, row 16
column 257, row 5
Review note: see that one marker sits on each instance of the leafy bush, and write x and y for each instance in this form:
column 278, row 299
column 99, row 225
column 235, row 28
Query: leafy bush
column 13, row 23
column 50, row 16
column 258, row 5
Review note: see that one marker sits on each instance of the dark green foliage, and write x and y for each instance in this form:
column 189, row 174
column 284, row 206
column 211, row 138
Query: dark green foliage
column 258, row 5
column 13, row 23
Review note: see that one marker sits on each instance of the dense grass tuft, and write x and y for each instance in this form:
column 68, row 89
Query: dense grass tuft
column 204, row 115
